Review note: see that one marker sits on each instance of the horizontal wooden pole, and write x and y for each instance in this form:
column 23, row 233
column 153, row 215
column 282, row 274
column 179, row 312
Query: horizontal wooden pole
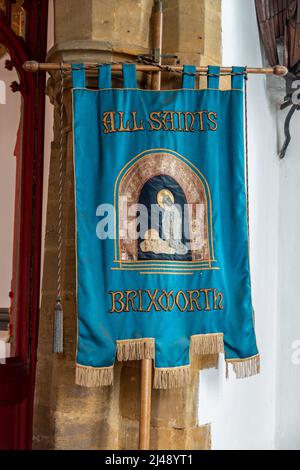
column 32, row 66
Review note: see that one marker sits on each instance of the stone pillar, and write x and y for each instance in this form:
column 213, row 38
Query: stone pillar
column 192, row 30
column 68, row 416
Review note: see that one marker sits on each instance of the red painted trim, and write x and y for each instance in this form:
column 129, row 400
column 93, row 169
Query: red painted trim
column 13, row 379
column 27, row 265
column 39, row 34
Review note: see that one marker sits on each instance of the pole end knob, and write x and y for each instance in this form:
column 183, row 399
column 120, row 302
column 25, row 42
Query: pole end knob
column 31, row 66
column 280, row 70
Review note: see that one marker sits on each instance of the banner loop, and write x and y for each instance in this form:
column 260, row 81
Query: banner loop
column 104, row 76
column 129, row 76
column 78, row 76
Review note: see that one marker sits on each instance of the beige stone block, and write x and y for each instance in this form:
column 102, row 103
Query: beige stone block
column 129, row 434
column 193, row 438
column 40, row 442
column 53, row 189
column 44, row 377
column 54, row 174
column 84, row 404
column 43, row 396
column 69, row 268
column 175, row 408
column 130, row 395
column 48, row 299
column 73, row 19
column 49, row 283
column 212, row 48
column 43, row 424
column 208, row 361
column 164, row 438
column 51, row 234
column 46, row 325
column 172, row 408
column 133, row 28
column 70, row 328
column 73, row 435
column 104, row 24
column 69, row 228
column 131, row 364
column 184, row 26
column 63, row 371
column 198, row 438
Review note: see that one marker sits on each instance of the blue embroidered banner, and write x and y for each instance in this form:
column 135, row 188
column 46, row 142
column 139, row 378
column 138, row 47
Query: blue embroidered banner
column 161, row 222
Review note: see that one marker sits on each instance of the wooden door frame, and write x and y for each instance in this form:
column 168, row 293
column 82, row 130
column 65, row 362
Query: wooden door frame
column 17, row 375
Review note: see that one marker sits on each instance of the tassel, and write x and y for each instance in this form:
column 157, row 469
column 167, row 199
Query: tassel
column 88, row 376
column 58, row 328
column 244, row 367
column 173, row 377
column 207, row 344
column 135, row 349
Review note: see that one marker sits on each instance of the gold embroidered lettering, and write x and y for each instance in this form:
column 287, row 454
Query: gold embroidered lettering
column 116, row 301
column 108, row 122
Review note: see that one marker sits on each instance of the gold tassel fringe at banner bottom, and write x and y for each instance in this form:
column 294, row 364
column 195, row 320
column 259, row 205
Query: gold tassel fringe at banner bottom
column 244, row 368
column 174, row 377
column 209, row 345
column 135, row 349
column 94, row 376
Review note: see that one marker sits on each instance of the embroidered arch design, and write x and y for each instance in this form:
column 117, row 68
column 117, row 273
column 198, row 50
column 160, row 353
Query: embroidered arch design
column 129, row 184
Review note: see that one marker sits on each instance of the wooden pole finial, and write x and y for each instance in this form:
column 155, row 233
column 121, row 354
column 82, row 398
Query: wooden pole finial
column 280, row 70
column 31, row 66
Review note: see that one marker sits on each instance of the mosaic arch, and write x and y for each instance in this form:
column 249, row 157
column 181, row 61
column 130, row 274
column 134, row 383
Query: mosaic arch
column 129, row 185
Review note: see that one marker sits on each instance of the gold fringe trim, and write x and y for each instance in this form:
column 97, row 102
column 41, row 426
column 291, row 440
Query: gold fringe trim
column 173, row 377
column 244, row 367
column 88, row 376
column 135, row 349
column 207, row 344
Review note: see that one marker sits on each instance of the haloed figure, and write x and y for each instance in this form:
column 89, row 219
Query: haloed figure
column 171, row 222
column 171, row 241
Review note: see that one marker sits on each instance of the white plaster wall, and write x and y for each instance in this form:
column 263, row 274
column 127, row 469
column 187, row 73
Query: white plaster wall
column 242, row 412
column 288, row 346
column 9, row 123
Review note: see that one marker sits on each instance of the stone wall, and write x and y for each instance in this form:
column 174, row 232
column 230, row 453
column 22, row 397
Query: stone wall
column 68, row 416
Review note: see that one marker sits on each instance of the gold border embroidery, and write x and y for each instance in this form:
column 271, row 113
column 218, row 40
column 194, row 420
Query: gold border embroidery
column 207, row 263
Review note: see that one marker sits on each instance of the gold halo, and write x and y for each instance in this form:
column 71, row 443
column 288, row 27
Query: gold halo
column 161, row 195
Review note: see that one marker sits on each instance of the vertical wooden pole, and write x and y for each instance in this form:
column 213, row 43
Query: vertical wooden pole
column 157, row 42
column 146, row 366
column 145, row 418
